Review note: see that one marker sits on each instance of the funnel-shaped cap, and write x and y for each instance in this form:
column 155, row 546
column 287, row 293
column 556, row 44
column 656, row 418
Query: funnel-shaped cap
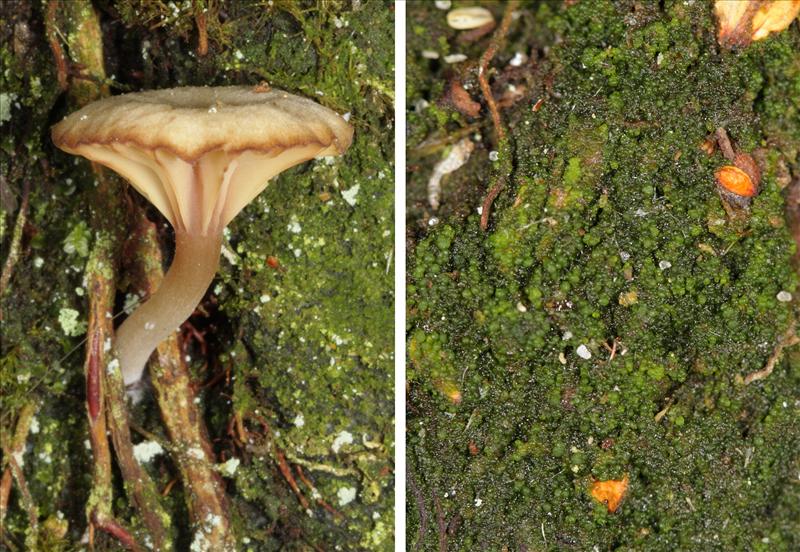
column 201, row 154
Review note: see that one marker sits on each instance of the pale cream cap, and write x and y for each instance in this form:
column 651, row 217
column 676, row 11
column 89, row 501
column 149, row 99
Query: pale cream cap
column 200, row 154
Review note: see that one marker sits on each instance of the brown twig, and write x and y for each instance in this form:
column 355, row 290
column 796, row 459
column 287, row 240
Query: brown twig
column 11, row 451
column 16, row 240
column 25, row 496
column 497, row 41
column 725, row 144
column 328, row 508
column 421, row 510
column 200, row 19
column 789, row 339
column 286, row 472
column 487, row 202
column 440, row 523
column 52, row 38
column 116, row 530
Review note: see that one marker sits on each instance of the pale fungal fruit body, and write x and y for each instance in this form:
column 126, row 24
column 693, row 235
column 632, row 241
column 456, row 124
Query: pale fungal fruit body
column 469, row 18
column 199, row 155
column 744, row 21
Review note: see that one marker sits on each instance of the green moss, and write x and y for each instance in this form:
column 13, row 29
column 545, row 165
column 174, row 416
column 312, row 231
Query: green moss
column 610, row 195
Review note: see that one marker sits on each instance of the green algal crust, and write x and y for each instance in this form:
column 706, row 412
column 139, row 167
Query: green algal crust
column 304, row 294
column 611, row 237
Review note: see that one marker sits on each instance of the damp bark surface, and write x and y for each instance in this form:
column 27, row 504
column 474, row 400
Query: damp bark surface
column 602, row 328
column 288, row 353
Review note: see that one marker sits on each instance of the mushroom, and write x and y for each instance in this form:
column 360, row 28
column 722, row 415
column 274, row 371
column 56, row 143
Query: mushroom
column 199, row 155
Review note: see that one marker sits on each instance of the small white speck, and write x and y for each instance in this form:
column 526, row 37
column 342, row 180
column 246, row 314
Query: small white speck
column 346, row 495
column 131, row 300
column 212, row 109
column 784, row 296
column 624, row 255
column 265, row 298
column 518, row 59
column 430, row 54
column 480, row 210
column 229, row 467
column 478, row 502
column 494, row 156
column 238, row 55
column 35, row 425
column 195, row 452
column 443, row 4
column 343, row 438
column 433, row 221
column 294, row 227
column 146, row 451
column 299, row 421
column 584, row 352
column 38, row 262
column 84, row 117
column 149, row 326
column 567, row 336
column 347, row 116
column 663, row 265
column 350, row 194
column 455, row 58
column 521, row 307
column 113, row 366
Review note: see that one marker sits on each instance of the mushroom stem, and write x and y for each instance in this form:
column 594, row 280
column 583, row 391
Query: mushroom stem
column 192, row 271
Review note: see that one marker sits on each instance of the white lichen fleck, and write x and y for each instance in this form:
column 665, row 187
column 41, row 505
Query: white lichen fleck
column 146, row 451
column 68, row 319
column 343, row 438
column 294, row 226
column 346, row 495
column 518, row 59
column 196, row 452
column 299, row 421
column 455, row 58
column 229, row 467
column 584, row 352
column 784, row 296
column 350, row 194
column 113, row 366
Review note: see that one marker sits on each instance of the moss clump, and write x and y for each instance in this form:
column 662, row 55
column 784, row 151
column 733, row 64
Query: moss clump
column 562, row 378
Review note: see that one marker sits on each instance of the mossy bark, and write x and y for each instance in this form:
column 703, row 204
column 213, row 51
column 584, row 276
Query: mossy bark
column 605, row 323
column 296, row 332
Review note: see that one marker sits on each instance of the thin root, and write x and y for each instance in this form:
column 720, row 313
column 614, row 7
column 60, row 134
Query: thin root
column 789, row 339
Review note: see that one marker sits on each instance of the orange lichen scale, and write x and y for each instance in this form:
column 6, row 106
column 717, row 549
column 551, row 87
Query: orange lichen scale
column 449, row 390
column 610, row 492
column 735, row 180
